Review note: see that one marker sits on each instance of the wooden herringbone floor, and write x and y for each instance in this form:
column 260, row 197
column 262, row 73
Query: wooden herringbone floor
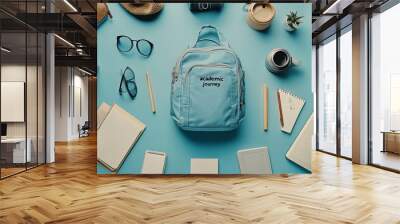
column 69, row 191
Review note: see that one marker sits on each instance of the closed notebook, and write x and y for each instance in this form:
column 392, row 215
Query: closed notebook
column 153, row 162
column 254, row 161
column 300, row 151
column 289, row 109
column 102, row 112
column 116, row 137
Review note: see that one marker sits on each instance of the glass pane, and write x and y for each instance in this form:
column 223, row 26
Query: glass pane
column 327, row 96
column 385, row 114
column 32, row 86
column 31, row 100
column 13, row 86
column 314, row 81
column 23, row 88
column 41, row 99
column 346, row 94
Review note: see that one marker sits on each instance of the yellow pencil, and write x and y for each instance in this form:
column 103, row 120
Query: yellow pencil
column 265, row 96
column 151, row 94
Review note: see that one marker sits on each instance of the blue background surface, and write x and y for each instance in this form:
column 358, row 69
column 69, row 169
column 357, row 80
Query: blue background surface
column 172, row 32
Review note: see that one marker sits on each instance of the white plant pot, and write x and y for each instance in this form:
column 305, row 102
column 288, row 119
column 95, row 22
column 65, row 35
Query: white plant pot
column 289, row 28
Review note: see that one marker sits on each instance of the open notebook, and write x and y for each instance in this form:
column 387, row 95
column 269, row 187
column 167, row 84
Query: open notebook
column 116, row 136
column 289, row 107
column 300, row 150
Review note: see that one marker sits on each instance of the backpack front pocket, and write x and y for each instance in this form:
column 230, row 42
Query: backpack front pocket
column 211, row 90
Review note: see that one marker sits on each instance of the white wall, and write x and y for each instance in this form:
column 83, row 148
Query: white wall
column 80, row 84
column 62, row 81
column 33, row 127
column 70, row 81
column 16, row 73
column 12, row 73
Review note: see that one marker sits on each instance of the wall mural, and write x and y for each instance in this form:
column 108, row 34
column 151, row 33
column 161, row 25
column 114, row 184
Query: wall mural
column 204, row 88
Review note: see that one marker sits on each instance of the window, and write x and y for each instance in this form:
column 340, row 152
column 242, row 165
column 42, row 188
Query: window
column 327, row 96
column 22, row 75
column 385, row 89
column 394, row 101
column 346, row 95
column 334, row 96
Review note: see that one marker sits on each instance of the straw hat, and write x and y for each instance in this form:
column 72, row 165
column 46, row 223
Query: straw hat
column 260, row 15
column 102, row 12
column 142, row 9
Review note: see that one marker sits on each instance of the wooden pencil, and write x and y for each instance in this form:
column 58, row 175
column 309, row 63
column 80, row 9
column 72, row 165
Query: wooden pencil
column 265, row 96
column 151, row 94
column 280, row 108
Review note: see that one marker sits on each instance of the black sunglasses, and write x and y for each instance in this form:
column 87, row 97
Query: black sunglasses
column 128, row 79
column 143, row 46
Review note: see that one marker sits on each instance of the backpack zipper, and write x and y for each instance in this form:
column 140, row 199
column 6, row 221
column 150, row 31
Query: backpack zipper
column 178, row 66
column 208, row 50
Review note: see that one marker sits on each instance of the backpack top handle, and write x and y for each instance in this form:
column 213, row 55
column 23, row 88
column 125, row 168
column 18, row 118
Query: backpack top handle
column 209, row 36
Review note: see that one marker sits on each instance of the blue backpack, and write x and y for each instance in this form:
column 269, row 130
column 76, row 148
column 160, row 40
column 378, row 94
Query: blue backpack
column 207, row 92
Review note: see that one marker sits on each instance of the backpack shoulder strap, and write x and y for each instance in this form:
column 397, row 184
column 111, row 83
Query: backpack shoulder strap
column 210, row 36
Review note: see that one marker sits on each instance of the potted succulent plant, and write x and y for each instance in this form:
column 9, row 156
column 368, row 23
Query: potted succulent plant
column 292, row 21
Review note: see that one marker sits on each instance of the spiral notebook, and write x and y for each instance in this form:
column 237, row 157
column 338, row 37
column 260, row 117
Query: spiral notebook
column 290, row 107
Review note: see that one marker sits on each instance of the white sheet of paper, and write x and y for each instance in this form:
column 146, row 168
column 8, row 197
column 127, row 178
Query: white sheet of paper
column 153, row 162
column 116, row 137
column 203, row 166
column 300, row 150
column 254, row 161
